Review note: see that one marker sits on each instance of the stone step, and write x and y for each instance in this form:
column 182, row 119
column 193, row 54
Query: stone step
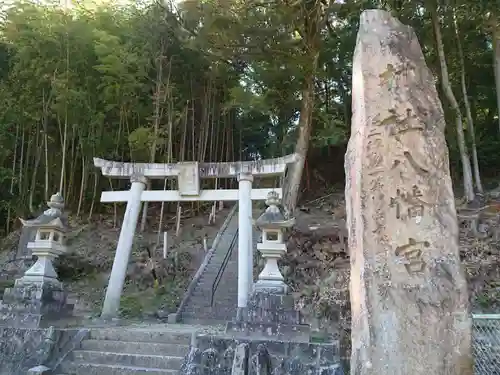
column 82, row 368
column 205, row 303
column 207, row 283
column 196, row 306
column 166, row 337
column 202, row 294
column 131, row 347
column 211, row 274
column 223, row 283
column 220, row 316
column 208, row 288
column 126, row 359
column 210, row 278
column 203, row 320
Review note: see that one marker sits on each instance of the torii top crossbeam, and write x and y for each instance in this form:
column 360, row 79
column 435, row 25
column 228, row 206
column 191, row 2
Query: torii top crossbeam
column 266, row 167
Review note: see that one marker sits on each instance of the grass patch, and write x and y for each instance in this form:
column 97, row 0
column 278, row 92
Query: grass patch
column 137, row 303
column 131, row 306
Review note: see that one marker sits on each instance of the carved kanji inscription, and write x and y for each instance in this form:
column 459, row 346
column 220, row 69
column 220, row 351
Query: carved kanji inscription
column 408, row 204
column 412, row 254
column 375, row 162
column 379, row 221
column 376, row 185
column 397, row 124
column 407, row 158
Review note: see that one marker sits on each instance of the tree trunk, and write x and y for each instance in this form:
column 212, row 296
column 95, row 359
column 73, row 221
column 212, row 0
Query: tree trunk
column 445, row 81
column 83, row 182
column 496, row 66
column 46, row 149
column 94, row 195
column 64, row 142
column 21, row 163
column 313, row 21
column 38, row 156
column 63, row 161
column 292, row 187
column 12, row 179
column 470, row 121
column 72, row 169
column 159, row 96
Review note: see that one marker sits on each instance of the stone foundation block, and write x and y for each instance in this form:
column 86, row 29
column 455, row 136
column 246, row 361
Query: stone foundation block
column 33, row 305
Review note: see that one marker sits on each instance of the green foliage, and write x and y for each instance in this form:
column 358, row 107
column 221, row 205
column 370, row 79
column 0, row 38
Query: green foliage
column 140, row 142
column 211, row 80
column 131, row 306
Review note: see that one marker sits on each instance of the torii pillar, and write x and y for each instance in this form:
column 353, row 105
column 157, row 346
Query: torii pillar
column 125, row 241
column 245, row 245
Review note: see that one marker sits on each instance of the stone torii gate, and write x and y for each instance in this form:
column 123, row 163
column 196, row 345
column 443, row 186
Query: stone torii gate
column 188, row 175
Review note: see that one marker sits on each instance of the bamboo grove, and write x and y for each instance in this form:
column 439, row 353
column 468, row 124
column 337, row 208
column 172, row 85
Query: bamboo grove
column 212, row 81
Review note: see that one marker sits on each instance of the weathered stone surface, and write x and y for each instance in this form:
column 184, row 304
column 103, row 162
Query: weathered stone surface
column 271, row 315
column 191, row 363
column 28, row 234
column 240, row 360
column 39, row 370
column 19, row 349
column 216, row 356
column 24, row 349
column 33, row 305
column 408, row 291
column 189, row 178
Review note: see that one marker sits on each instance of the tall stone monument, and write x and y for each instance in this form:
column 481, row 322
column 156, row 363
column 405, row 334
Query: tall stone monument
column 410, row 312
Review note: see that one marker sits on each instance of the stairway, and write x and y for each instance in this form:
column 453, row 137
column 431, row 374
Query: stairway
column 120, row 351
column 198, row 308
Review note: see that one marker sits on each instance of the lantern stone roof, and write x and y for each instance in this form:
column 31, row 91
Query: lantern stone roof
column 53, row 217
column 274, row 217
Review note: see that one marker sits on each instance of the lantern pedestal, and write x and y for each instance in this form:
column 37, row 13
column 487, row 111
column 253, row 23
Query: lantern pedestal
column 273, row 315
column 43, row 269
column 270, row 279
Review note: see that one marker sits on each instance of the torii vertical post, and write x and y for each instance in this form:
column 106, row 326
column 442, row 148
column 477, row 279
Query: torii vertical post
column 123, row 249
column 245, row 253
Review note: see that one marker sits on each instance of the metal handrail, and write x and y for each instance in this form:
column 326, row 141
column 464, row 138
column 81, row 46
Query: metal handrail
column 222, row 268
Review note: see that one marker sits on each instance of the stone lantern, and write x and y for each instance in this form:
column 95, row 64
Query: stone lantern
column 30, row 228
column 48, row 243
column 272, row 223
column 271, row 310
column 38, row 297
